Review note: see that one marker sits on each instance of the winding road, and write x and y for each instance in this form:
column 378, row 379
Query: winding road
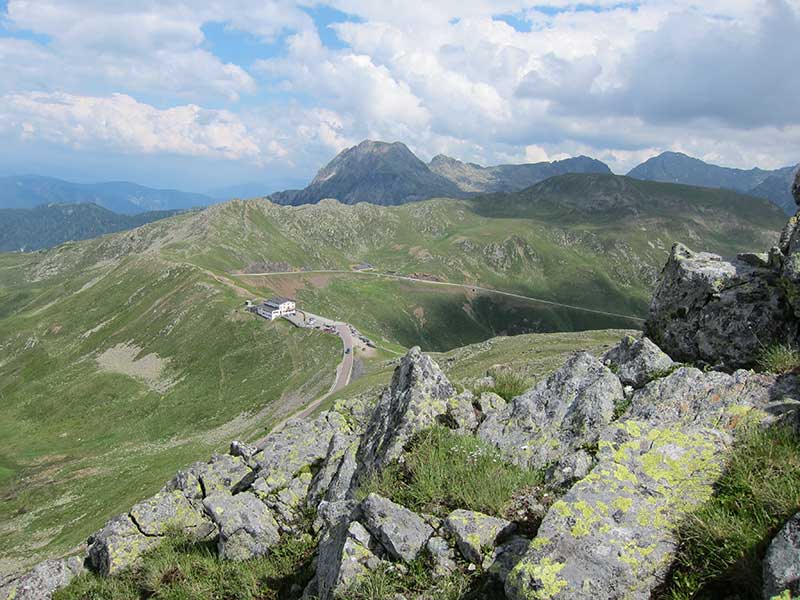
column 474, row 288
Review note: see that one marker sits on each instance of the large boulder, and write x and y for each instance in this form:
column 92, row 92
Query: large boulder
column 43, row 580
column 706, row 309
column 558, row 416
column 220, row 474
column 347, row 551
column 611, row 535
column 418, row 398
column 476, row 534
column 782, row 562
column 637, row 361
column 246, row 526
column 402, row 532
column 118, row 546
column 168, row 511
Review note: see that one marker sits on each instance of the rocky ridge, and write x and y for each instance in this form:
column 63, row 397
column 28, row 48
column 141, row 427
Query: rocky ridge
column 629, row 443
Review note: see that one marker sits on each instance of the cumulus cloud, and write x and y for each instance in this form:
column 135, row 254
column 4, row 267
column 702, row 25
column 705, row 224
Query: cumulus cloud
column 484, row 80
column 120, row 123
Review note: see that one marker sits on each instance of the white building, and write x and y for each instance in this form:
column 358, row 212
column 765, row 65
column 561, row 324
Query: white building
column 276, row 307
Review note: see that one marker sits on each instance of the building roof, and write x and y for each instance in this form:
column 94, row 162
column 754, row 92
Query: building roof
column 276, row 301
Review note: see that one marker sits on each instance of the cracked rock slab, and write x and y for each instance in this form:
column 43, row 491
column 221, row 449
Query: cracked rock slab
column 476, row 534
column 246, row 527
column 402, row 532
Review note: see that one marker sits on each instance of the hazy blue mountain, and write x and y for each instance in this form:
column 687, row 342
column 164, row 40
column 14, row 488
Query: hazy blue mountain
column 675, row 167
column 242, row 190
column 28, row 191
column 470, row 177
column 52, row 224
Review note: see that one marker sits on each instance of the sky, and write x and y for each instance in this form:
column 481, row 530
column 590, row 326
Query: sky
column 206, row 94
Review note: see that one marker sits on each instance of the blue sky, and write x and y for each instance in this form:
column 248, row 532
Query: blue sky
column 203, row 95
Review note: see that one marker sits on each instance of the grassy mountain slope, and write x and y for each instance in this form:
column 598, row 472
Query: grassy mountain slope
column 125, row 357
column 52, row 224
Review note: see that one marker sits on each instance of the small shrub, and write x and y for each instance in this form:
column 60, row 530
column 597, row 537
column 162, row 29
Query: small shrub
column 723, row 543
column 779, row 358
column 443, row 471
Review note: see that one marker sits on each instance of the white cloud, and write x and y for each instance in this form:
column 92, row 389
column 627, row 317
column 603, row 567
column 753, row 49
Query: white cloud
column 121, row 124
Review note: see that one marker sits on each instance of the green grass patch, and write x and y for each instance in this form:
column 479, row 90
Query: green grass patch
column 722, row 544
column 508, row 384
column 443, row 471
column 417, row 583
column 180, row 569
column 780, row 358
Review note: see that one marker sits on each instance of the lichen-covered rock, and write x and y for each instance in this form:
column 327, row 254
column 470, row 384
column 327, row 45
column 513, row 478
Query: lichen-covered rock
column 442, row 556
column 342, row 480
column 402, row 532
column 506, row 556
column 460, row 414
column 220, row 474
column 559, row 415
column 118, row 545
column 246, row 527
column 637, row 361
column 299, row 445
column 689, row 396
column 489, row 402
column 476, row 534
column 342, row 447
column 167, row 511
column 346, row 551
column 611, row 535
column 706, row 309
column 796, row 188
column 43, row 580
column 569, row 469
column 781, row 564
column 417, row 399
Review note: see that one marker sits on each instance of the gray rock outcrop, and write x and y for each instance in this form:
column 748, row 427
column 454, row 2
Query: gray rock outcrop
column 706, row 309
column 417, row 398
column 402, row 532
column 558, row 416
column 475, row 533
column 637, row 361
column 247, row 528
column 782, row 562
column 43, row 580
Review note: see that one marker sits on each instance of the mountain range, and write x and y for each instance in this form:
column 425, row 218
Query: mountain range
column 29, row 191
column 391, row 174
column 52, row 224
column 675, row 167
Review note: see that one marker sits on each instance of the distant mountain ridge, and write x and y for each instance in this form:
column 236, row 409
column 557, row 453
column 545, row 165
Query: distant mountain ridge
column 471, row 177
column 676, row 167
column 29, row 191
column 53, row 224
column 390, row 174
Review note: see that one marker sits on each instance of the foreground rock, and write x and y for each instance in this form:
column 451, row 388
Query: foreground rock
column 402, row 532
column 476, row 533
column 558, row 416
column 247, row 528
column 782, row 562
column 43, row 580
column 637, row 361
column 612, row 535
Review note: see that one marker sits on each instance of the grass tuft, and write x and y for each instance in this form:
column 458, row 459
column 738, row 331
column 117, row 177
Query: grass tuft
column 443, row 471
column 779, row 358
column 507, row 384
column 181, row 569
column 418, row 582
column 722, row 544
